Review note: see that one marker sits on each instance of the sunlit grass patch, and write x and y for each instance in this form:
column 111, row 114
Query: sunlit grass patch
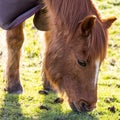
column 27, row 105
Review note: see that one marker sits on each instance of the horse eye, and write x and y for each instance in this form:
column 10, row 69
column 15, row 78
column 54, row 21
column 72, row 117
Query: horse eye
column 82, row 63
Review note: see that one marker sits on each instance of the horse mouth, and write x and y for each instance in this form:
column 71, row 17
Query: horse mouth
column 74, row 107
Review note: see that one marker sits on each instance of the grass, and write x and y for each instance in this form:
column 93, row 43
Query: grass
column 26, row 106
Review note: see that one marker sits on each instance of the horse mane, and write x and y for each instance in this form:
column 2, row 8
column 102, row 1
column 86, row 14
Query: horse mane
column 97, row 45
column 69, row 13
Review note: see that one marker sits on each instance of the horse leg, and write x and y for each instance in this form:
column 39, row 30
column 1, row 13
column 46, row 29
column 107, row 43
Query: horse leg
column 14, row 39
column 46, row 83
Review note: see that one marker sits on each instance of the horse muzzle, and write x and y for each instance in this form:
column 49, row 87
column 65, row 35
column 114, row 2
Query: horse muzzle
column 82, row 107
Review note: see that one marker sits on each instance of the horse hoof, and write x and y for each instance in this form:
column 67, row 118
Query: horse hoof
column 16, row 89
column 49, row 89
column 11, row 91
column 17, row 92
column 47, row 86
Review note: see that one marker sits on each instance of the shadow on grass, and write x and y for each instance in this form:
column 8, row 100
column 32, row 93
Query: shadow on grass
column 56, row 112
column 11, row 109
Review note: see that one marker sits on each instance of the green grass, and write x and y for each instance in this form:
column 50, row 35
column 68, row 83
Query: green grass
column 26, row 106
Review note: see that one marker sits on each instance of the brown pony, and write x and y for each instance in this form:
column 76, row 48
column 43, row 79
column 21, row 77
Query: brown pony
column 75, row 49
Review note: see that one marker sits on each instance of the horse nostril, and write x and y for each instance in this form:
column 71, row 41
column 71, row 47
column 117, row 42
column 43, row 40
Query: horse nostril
column 84, row 106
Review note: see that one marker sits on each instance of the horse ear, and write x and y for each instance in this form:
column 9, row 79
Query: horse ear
column 87, row 24
column 108, row 22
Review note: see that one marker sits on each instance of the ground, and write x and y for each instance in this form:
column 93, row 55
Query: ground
column 27, row 105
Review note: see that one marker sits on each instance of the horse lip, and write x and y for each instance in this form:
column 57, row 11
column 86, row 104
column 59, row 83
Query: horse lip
column 74, row 107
